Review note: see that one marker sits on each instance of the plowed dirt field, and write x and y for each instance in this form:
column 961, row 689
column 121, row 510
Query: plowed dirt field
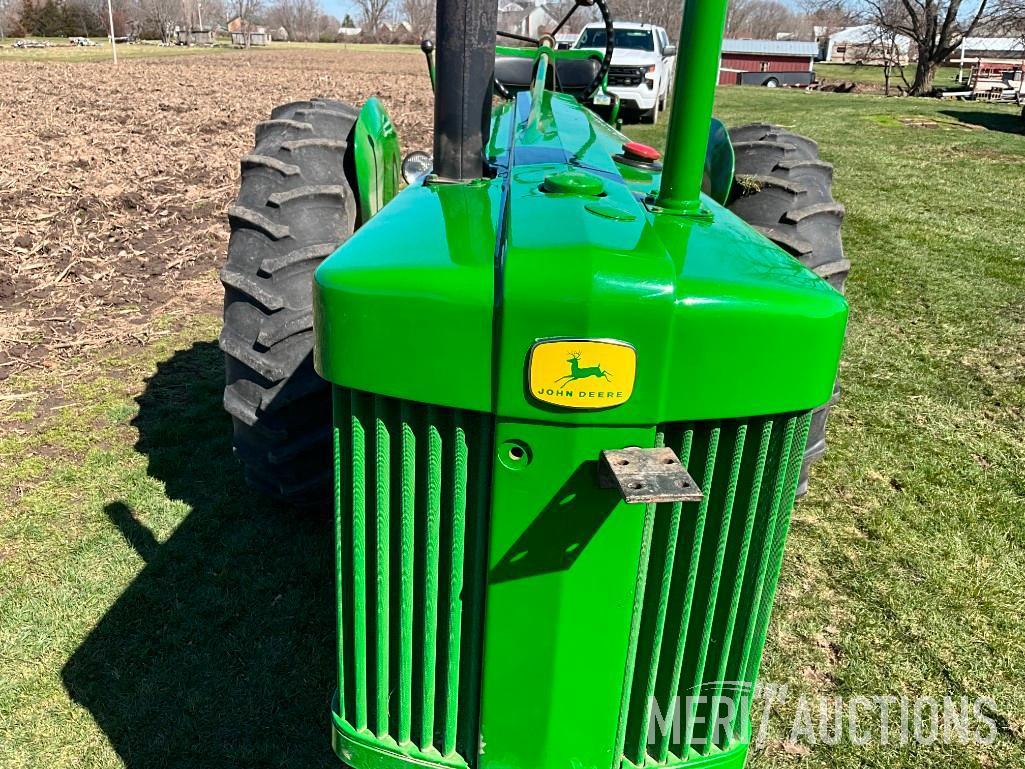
column 114, row 182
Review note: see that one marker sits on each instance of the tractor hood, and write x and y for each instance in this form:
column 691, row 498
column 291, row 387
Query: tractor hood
column 448, row 293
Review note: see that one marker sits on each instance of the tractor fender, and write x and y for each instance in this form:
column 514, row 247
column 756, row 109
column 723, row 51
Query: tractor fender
column 719, row 160
column 376, row 158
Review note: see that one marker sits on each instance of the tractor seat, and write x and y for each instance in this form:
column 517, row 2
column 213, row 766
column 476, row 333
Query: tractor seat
column 573, row 76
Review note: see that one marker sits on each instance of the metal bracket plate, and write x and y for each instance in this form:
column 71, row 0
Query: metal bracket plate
column 647, row 475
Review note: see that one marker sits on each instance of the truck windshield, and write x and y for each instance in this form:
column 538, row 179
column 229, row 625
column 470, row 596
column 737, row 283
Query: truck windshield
column 637, row 39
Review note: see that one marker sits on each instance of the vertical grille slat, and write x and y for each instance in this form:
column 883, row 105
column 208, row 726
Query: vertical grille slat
column 665, row 583
column 764, row 546
column 714, row 574
column 635, row 623
column 708, row 593
column 694, row 534
column 408, row 500
column 382, row 487
column 793, row 470
column 408, row 533
column 782, row 436
column 457, row 549
column 359, row 559
column 432, row 556
column 752, row 488
column 662, row 754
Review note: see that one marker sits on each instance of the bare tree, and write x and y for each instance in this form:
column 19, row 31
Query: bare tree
column 420, row 14
column 162, row 14
column 830, row 15
column 214, row 11
column 300, row 18
column 820, row 19
column 8, row 20
column 886, row 47
column 664, row 13
column 762, row 19
column 246, row 10
column 936, row 29
column 328, row 27
column 372, row 14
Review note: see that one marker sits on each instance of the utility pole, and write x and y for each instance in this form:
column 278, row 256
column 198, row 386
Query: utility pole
column 110, row 18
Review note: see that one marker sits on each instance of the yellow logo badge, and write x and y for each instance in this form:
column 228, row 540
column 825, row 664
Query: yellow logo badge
column 582, row 373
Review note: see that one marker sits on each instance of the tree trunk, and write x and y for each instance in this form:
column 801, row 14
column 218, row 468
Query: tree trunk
column 924, row 74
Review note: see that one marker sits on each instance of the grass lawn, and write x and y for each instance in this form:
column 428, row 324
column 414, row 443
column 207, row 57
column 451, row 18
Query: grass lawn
column 155, row 613
column 906, row 568
column 871, row 75
column 61, row 51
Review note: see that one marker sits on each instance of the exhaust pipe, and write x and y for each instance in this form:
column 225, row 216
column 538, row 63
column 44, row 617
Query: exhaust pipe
column 465, row 61
column 697, row 74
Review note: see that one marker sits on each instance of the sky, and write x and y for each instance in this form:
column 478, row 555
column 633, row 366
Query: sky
column 340, row 7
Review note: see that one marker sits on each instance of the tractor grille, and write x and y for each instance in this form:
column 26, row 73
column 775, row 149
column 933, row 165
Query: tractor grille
column 411, row 507
column 706, row 583
column 626, row 76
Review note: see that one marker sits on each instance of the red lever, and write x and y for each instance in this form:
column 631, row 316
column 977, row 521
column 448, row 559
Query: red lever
column 641, row 152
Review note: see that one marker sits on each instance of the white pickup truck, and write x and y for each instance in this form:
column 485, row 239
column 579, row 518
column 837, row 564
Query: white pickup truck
column 643, row 62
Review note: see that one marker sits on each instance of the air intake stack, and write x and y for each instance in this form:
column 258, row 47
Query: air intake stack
column 465, row 72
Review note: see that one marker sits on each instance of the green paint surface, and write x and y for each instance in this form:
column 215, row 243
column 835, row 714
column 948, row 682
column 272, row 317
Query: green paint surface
column 448, row 279
column 508, row 612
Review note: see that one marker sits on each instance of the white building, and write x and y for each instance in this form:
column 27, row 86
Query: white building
column 1000, row 48
column 527, row 17
column 865, row 43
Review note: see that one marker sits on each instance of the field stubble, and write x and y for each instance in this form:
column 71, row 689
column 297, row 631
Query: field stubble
column 116, row 181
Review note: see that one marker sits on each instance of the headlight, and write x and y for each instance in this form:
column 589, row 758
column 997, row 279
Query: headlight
column 415, row 166
column 650, row 72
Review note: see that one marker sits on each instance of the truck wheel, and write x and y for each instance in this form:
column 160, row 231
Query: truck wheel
column 295, row 206
column 785, row 192
column 771, row 83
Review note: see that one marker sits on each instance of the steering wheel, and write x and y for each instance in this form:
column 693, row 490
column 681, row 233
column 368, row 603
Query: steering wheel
column 606, row 61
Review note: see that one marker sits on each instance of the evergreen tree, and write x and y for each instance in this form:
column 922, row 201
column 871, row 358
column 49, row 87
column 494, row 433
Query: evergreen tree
column 50, row 20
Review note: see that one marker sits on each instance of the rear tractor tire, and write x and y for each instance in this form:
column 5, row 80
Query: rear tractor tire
column 785, row 191
column 296, row 205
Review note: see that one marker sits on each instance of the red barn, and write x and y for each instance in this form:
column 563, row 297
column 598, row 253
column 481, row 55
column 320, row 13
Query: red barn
column 770, row 63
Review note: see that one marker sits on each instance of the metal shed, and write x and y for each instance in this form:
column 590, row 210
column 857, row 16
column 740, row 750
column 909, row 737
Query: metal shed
column 767, row 62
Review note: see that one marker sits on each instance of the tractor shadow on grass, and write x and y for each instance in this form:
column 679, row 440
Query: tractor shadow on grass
column 221, row 652
column 991, row 121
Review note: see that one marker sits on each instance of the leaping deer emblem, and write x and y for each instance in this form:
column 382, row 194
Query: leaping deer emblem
column 576, row 371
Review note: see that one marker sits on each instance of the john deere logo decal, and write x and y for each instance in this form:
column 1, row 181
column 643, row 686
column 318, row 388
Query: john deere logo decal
column 582, row 373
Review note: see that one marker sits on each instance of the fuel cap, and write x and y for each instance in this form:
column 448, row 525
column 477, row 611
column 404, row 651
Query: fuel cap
column 573, row 183
column 638, row 151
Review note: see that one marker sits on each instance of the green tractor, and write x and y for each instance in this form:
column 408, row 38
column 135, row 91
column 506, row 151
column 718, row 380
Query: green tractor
column 560, row 391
